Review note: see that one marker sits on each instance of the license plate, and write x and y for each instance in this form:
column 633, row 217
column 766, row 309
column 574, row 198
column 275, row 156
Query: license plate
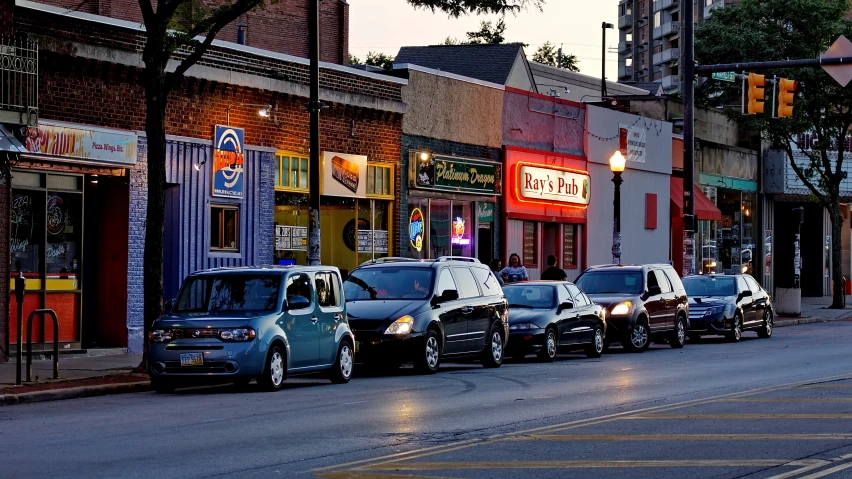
column 191, row 359
column 357, row 346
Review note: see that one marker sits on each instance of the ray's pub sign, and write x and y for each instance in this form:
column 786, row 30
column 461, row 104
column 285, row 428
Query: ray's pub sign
column 448, row 173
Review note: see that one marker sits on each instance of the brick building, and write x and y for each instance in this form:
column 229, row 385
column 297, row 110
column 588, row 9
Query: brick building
column 88, row 81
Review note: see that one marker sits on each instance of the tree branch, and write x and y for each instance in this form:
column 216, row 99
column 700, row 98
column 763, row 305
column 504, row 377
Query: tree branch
column 456, row 8
column 819, row 195
column 148, row 16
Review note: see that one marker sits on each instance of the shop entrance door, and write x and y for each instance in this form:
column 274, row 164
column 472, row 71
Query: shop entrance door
column 550, row 243
column 485, row 243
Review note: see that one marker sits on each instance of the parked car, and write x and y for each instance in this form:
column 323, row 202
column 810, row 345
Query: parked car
column 642, row 302
column 239, row 324
column 546, row 317
column 405, row 310
column 727, row 305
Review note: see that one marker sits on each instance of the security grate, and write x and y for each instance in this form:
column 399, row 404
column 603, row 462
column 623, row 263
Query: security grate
column 19, row 78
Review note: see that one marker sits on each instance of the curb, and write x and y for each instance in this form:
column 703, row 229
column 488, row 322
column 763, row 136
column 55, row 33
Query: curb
column 73, row 393
column 780, row 323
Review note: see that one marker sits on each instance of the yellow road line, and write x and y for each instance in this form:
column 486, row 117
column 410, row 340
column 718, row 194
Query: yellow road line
column 583, row 464
column 372, row 475
column 454, row 446
column 742, row 416
column 686, row 437
column 788, row 400
column 829, row 471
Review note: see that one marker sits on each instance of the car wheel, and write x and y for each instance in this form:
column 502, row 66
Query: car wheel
column 694, row 337
column 430, row 356
column 736, row 330
column 275, row 371
column 548, row 349
column 162, row 386
column 341, row 372
column 766, row 330
column 596, row 348
column 638, row 339
column 678, row 338
column 492, row 355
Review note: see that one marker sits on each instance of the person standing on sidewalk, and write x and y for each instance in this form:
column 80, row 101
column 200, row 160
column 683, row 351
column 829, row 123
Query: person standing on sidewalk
column 496, row 265
column 552, row 273
column 515, row 271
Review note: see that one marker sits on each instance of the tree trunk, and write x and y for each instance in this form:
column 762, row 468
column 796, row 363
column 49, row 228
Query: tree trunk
column 838, row 292
column 156, row 95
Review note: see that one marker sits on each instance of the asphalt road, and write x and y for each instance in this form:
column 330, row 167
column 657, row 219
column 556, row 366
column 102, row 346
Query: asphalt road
column 777, row 408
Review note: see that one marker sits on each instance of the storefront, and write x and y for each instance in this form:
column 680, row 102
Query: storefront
column 707, row 255
column 548, row 196
column 69, row 232
column 356, row 209
column 728, row 243
column 451, row 206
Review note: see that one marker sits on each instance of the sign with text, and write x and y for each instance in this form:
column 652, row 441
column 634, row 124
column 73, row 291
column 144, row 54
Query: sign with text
column 82, row 142
column 632, row 142
column 459, row 174
column 548, row 185
column 379, row 241
column 724, row 76
column 291, row 238
column 344, row 175
column 228, row 161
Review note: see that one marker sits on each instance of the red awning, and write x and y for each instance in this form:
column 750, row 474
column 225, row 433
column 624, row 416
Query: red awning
column 704, row 208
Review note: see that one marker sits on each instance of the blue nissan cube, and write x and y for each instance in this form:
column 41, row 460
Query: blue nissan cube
column 239, row 324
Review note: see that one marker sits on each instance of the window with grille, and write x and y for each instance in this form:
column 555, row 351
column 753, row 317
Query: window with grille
column 380, row 180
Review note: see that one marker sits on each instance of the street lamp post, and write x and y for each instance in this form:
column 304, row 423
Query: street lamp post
column 616, row 164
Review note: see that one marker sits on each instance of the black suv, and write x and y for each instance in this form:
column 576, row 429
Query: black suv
column 404, row 310
column 643, row 302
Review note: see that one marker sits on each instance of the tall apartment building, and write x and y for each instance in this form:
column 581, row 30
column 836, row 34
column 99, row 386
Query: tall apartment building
column 649, row 39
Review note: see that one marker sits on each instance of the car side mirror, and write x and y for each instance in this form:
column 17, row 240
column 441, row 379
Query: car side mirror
column 746, row 294
column 447, row 295
column 654, row 291
column 565, row 305
column 297, row 302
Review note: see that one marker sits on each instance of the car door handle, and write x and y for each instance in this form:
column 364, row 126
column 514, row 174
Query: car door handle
column 337, row 317
column 314, row 320
column 467, row 309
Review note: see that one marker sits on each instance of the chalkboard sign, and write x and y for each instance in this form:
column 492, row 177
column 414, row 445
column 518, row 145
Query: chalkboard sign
column 530, row 243
column 569, row 256
column 291, row 238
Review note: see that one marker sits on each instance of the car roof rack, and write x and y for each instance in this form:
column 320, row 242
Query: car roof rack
column 390, row 259
column 458, row 258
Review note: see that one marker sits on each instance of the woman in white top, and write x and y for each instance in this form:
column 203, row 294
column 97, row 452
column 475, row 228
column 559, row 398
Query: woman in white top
column 514, row 272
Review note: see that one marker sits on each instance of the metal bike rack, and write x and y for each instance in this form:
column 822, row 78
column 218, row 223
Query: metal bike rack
column 42, row 312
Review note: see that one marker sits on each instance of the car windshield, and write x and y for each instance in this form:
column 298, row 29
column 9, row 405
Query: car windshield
column 611, row 282
column 229, row 292
column 528, row 296
column 388, row 282
column 710, row 286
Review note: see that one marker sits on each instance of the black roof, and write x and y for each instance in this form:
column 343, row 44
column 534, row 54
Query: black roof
column 486, row 62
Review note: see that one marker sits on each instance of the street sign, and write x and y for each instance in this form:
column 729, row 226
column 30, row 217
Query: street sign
column 725, row 76
column 842, row 73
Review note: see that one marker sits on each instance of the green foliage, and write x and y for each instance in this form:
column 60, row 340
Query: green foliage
column 381, row 60
column 451, row 41
column 353, row 60
column 456, row 8
column 548, row 54
column 766, row 30
column 488, row 33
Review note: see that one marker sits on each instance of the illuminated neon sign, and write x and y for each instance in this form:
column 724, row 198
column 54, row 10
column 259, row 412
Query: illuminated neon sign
column 458, row 232
column 552, row 185
column 415, row 229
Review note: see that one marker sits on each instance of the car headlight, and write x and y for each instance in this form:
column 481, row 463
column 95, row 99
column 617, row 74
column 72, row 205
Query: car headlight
column 523, row 327
column 621, row 309
column 160, row 336
column 401, row 326
column 714, row 310
column 238, row 334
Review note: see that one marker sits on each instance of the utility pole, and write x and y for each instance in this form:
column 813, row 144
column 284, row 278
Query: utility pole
column 604, row 26
column 688, row 140
column 314, row 108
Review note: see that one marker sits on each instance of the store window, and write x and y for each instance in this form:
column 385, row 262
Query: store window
column 224, row 228
column 380, row 180
column 417, row 241
column 291, row 172
column 439, row 228
column 530, row 244
column 569, row 247
column 462, row 229
column 291, row 229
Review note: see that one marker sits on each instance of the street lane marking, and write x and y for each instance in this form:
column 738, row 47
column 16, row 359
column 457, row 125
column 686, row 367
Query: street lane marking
column 825, row 386
column 463, row 444
column 687, row 437
column 787, row 400
column 741, row 416
column 372, row 475
column 829, row 471
column 581, row 464
column 816, row 465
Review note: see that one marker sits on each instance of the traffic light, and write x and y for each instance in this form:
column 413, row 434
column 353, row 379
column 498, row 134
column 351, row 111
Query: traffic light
column 785, row 97
column 756, row 93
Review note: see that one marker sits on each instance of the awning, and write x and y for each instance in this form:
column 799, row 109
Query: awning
column 8, row 142
column 704, row 208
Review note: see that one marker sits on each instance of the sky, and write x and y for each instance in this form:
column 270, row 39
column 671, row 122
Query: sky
column 385, row 25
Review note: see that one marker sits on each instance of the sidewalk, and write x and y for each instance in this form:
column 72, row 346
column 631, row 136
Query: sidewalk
column 78, row 377
column 815, row 310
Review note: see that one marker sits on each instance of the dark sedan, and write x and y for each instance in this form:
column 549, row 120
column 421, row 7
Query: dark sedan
column 727, row 305
column 546, row 317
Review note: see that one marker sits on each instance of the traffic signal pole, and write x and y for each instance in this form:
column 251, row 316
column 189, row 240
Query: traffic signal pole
column 689, row 72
